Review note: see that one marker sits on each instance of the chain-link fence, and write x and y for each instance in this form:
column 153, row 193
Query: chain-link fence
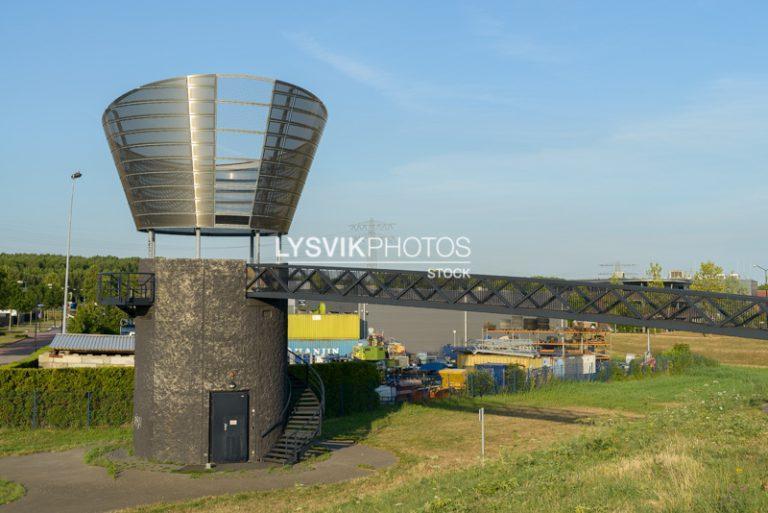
column 513, row 379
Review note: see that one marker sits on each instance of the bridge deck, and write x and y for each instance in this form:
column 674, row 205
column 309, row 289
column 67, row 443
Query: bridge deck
column 688, row 310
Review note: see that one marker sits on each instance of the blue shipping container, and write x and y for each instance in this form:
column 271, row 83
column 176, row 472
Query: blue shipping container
column 494, row 369
column 341, row 348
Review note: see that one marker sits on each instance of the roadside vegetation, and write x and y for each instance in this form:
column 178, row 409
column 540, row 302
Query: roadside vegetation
column 27, row 441
column 8, row 336
column 10, row 491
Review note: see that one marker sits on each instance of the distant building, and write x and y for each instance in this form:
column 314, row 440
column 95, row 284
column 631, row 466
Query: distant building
column 85, row 350
column 427, row 330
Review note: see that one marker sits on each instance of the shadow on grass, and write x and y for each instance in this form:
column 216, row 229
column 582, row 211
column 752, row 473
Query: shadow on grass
column 355, row 426
column 466, row 404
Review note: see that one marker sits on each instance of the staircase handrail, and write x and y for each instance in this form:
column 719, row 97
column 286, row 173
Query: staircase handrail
column 317, row 381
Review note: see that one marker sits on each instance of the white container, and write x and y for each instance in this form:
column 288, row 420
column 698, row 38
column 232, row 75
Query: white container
column 589, row 364
column 386, row 393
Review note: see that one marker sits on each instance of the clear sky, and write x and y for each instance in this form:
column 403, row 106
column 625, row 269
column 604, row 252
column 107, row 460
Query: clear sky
column 556, row 135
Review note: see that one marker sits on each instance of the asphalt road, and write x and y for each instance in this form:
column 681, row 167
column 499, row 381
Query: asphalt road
column 20, row 349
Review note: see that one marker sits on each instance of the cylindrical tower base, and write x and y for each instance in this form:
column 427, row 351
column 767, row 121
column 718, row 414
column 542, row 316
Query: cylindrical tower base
column 210, row 365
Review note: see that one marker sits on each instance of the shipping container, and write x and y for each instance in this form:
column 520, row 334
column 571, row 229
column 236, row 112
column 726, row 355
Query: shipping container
column 472, row 359
column 323, row 348
column 324, row 327
column 453, row 378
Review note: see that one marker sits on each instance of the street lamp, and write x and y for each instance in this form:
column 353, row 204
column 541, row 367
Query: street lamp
column 24, row 290
column 74, row 177
column 765, row 271
column 454, row 338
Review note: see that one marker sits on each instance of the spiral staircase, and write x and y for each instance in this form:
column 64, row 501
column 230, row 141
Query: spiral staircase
column 302, row 417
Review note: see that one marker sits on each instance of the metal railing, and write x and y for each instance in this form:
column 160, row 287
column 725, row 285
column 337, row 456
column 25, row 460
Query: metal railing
column 128, row 291
column 666, row 308
column 312, row 378
column 300, row 439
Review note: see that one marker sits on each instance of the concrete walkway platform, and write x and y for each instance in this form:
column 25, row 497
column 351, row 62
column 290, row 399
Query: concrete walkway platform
column 61, row 482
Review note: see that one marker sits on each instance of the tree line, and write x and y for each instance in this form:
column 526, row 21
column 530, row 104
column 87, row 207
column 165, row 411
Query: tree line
column 28, row 280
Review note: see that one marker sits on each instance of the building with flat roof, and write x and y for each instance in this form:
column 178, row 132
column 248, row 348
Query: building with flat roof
column 87, row 350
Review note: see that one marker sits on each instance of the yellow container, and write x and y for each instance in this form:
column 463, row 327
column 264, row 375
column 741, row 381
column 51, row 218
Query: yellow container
column 464, row 360
column 323, row 327
column 453, row 378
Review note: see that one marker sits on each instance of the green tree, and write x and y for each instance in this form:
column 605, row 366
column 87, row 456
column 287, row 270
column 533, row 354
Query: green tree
column 95, row 318
column 709, row 277
column 654, row 273
column 5, row 290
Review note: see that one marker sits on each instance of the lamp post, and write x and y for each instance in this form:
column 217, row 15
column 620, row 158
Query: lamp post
column 454, row 338
column 74, row 177
column 24, row 290
column 765, row 272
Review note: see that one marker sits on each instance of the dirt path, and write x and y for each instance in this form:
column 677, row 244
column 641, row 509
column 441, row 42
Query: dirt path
column 61, row 482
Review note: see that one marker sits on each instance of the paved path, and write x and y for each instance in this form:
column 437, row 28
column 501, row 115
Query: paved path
column 61, row 482
column 24, row 347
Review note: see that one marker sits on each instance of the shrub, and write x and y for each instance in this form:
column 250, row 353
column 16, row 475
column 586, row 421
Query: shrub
column 63, row 398
column 514, row 378
column 680, row 359
column 635, row 369
column 480, row 382
column 349, row 386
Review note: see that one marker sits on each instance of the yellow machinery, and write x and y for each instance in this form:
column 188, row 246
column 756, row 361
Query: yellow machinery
column 369, row 353
column 395, row 349
column 453, row 378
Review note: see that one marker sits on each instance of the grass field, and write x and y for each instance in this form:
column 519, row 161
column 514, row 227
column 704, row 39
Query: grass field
column 670, row 443
column 27, row 441
column 12, row 336
column 728, row 350
column 677, row 443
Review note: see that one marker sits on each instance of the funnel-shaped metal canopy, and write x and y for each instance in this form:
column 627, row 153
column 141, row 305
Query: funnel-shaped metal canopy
column 227, row 154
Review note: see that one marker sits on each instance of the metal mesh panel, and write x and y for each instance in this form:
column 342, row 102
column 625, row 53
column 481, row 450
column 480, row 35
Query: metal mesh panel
column 707, row 312
column 208, row 151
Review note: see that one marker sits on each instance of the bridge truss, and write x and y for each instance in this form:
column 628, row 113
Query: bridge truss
column 676, row 309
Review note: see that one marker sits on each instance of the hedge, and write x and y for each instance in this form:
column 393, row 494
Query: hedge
column 349, row 386
column 61, row 398
column 79, row 397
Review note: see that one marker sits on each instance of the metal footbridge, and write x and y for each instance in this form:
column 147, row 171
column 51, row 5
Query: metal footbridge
column 666, row 308
column 675, row 309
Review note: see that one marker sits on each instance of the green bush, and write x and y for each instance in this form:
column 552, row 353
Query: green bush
column 61, row 398
column 514, row 378
column 480, row 382
column 349, row 386
column 680, row 358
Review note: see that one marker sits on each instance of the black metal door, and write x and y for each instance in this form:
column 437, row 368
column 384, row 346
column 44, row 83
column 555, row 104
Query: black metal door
column 229, row 427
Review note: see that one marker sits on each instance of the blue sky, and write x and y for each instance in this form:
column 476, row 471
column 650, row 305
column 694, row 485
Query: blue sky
column 556, row 135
